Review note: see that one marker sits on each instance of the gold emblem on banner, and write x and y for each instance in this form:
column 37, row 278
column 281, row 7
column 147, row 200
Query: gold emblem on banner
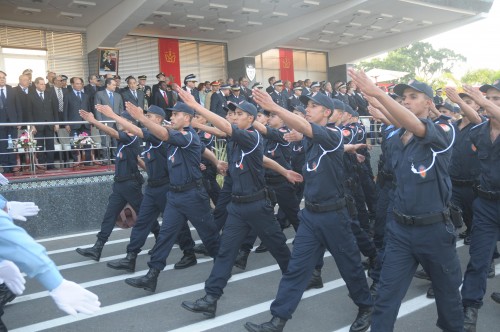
column 286, row 63
column 170, row 56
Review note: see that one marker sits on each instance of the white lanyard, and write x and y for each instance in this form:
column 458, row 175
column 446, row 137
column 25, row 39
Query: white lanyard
column 277, row 144
column 182, row 147
column 151, row 146
column 243, row 154
column 125, row 145
column 324, row 153
column 434, row 154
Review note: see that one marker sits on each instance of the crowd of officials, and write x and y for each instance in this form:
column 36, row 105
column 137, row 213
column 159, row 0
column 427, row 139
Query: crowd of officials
column 303, row 141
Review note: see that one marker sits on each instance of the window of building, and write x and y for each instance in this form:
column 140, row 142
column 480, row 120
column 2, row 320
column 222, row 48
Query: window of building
column 207, row 61
column 14, row 61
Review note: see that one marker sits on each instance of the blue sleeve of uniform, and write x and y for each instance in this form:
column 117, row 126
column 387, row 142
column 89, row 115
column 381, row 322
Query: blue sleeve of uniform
column 438, row 135
column 246, row 139
column 329, row 138
column 31, row 258
column 277, row 135
column 148, row 137
column 124, row 137
column 180, row 138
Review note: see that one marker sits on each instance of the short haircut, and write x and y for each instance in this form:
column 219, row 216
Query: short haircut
column 72, row 80
column 109, row 80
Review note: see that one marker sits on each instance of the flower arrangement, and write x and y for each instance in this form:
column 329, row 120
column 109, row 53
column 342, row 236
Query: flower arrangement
column 84, row 139
column 25, row 141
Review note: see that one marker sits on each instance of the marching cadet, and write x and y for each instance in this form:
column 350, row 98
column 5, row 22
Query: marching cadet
column 277, row 94
column 127, row 185
column 147, row 91
column 421, row 229
column 235, row 96
column 250, row 207
column 486, row 230
column 186, row 197
column 324, row 223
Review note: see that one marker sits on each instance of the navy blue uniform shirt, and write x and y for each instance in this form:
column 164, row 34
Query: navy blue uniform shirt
column 155, row 156
column 245, row 161
column 298, row 156
column 128, row 150
column 464, row 164
column 429, row 190
column 488, row 154
column 184, row 156
column 277, row 149
column 323, row 170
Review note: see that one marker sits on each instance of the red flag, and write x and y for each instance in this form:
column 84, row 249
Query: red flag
column 168, row 53
column 286, row 64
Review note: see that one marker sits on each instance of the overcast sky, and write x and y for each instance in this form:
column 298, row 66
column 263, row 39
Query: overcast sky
column 479, row 42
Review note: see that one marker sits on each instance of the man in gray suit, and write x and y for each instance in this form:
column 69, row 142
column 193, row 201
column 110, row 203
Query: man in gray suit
column 113, row 99
column 132, row 94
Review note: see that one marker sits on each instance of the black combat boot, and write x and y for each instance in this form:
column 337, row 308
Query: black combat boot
column 94, row 252
column 363, row 320
column 316, row 280
column 276, row 324
column 147, row 282
column 207, row 305
column 126, row 264
column 241, row 259
column 200, row 249
column 261, row 248
column 189, row 259
column 470, row 319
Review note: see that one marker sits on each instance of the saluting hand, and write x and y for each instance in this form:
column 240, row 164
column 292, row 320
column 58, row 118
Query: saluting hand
column 452, row 94
column 264, row 99
column 364, row 83
column 87, row 116
column 105, row 110
column 186, row 97
column 135, row 111
column 475, row 94
column 293, row 136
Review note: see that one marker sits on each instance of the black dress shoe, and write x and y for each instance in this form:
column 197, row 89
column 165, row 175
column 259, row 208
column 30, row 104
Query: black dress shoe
column 467, row 240
column 316, row 281
column 207, row 305
column 126, row 264
column 363, row 320
column 470, row 319
column 276, row 324
column 463, row 234
column 147, row 282
column 421, row 274
column 491, row 270
column 94, row 252
column 430, row 292
column 200, row 249
column 6, row 295
column 495, row 296
column 241, row 259
column 189, row 259
column 261, row 248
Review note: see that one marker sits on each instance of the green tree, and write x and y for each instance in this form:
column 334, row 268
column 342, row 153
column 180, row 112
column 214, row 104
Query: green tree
column 419, row 59
column 480, row 76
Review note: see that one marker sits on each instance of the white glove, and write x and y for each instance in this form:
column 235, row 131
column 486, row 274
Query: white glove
column 21, row 210
column 12, row 277
column 73, row 298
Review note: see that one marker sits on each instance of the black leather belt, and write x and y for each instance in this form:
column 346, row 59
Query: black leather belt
column 261, row 194
column 462, row 183
column 158, row 182
column 421, row 220
column 184, row 187
column 325, row 207
column 135, row 176
column 275, row 179
column 489, row 195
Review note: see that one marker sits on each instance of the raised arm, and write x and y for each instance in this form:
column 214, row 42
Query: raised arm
column 155, row 129
column 293, row 121
column 401, row 114
column 215, row 119
column 260, row 127
column 87, row 116
column 107, row 111
column 476, row 95
column 209, row 129
column 469, row 112
column 373, row 102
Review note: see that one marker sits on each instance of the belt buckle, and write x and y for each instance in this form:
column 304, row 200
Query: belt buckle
column 408, row 220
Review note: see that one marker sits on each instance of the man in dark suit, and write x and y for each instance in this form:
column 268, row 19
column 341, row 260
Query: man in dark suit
column 132, row 94
column 245, row 91
column 271, row 81
column 21, row 91
column 113, row 99
column 75, row 101
column 164, row 98
column 307, row 87
column 277, row 94
column 59, row 90
column 218, row 101
column 108, row 64
column 91, row 88
column 190, row 86
column 10, row 111
column 148, row 93
column 287, row 89
column 156, row 87
column 43, row 108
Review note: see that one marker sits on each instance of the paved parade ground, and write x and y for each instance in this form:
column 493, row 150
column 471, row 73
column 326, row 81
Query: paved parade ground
column 247, row 296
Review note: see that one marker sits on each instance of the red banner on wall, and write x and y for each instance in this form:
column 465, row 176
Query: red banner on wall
column 168, row 53
column 286, row 64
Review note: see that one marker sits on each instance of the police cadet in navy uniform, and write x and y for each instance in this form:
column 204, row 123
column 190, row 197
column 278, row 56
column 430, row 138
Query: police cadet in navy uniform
column 235, row 96
column 421, row 229
column 324, row 223
column 127, row 185
column 277, row 94
column 250, row 208
column 486, row 228
column 186, row 198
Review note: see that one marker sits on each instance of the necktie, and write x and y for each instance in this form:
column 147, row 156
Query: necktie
column 60, row 100
column 2, row 96
column 25, row 90
column 135, row 94
column 79, row 95
column 111, row 99
column 165, row 97
column 41, row 95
